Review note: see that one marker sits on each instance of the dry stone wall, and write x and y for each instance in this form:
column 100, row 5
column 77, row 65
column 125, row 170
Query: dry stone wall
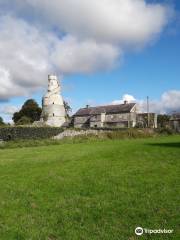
column 15, row 133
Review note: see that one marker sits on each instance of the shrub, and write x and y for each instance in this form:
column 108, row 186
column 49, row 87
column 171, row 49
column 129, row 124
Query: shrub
column 166, row 131
column 129, row 133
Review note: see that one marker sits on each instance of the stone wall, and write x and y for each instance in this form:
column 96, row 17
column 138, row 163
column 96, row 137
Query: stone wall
column 80, row 122
column 123, row 120
column 74, row 133
column 15, row 133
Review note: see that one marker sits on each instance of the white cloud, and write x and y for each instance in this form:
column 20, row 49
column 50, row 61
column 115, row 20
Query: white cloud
column 73, row 56
column 171, row 100
column 113, row 21
column 7, row 111
column 23, row 58
column 168, row 103
column 28, row 55
column 126, row 97
column 38, row 37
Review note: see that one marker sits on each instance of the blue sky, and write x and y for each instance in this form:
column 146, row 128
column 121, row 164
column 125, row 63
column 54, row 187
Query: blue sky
column 151, row 70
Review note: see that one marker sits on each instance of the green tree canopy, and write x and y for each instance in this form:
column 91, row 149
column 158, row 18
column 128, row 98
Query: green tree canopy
column 30, row 110
column 24, row 120
column 1, row 121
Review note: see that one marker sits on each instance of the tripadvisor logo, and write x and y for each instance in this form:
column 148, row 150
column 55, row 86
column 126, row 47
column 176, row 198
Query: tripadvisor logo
column 140, row 231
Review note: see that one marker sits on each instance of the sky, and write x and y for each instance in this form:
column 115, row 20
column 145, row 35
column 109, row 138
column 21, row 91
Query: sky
column 104, row 52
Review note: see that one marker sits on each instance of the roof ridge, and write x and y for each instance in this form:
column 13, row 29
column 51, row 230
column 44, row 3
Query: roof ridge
column 115, row 108
column 110, row 105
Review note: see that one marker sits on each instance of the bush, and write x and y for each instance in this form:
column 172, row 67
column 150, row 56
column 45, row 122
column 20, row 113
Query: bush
column 166, row 131
column 129, row 133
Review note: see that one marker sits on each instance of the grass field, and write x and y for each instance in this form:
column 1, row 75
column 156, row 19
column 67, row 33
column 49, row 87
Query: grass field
column 94, row 190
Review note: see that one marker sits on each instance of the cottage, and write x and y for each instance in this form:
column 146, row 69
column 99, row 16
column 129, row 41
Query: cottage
column 121, row 116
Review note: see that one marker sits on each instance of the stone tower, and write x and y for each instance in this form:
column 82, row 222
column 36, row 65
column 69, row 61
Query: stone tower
column 53, row 111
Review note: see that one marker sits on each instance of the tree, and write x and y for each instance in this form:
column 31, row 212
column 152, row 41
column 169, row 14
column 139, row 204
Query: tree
column 17, row 116
column 68, row 109
column 1, row 121
column 30, row 110
column 24, row 121
column 163, row 120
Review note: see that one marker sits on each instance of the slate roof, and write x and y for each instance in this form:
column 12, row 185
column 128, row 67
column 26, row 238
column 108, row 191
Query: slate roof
column 108, row 109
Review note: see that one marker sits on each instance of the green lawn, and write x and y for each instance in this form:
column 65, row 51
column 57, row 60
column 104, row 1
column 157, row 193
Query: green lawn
column 93, row 190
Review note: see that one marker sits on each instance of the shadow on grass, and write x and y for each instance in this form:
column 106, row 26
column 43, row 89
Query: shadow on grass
column 172, row 145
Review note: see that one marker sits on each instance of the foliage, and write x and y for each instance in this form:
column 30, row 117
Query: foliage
column 129, row 133
column 165, row 130
column 163, row 120
column 91, row 190
column 24, row 121
column 30, row 109
column 1, row 121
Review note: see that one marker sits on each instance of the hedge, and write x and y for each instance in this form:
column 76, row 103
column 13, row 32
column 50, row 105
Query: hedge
column 15, row 133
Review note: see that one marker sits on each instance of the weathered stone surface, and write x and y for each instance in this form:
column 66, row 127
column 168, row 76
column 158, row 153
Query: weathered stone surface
column 73, row 133
column 53, row 111
column 15, row 133
column 119, row 116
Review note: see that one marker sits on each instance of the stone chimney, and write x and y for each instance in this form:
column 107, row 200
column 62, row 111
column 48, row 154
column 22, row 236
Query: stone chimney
column 125, row 102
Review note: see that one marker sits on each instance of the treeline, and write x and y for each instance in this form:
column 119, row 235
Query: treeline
column 30, row 112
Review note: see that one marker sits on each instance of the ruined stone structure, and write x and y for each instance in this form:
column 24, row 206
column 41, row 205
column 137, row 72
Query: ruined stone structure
column 143, row 122
column 53, row 111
